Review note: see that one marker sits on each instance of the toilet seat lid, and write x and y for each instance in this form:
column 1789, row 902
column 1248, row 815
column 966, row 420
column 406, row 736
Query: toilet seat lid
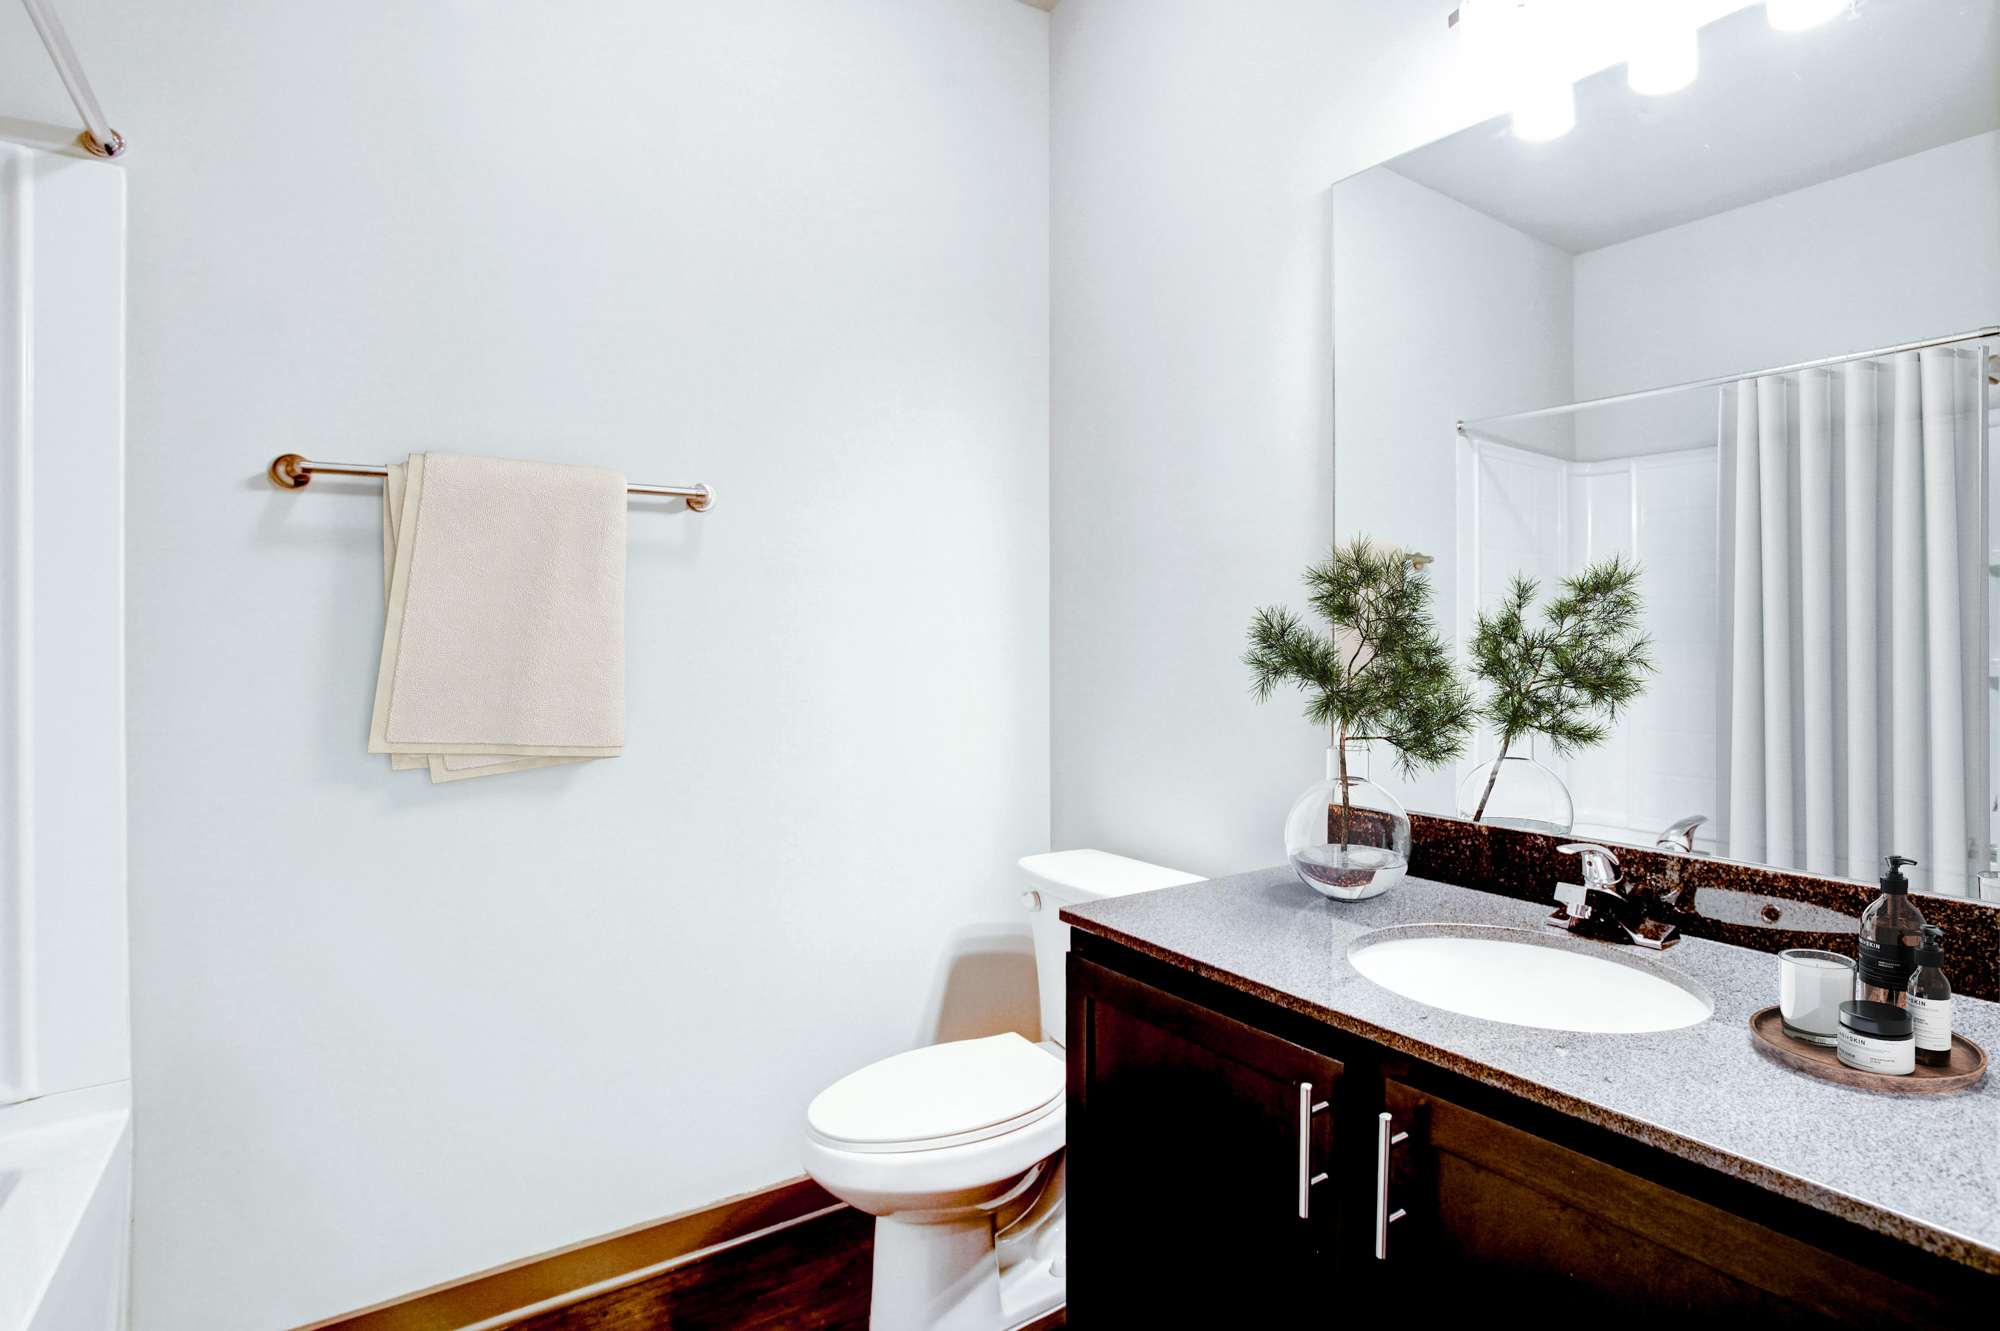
column 940, row 1095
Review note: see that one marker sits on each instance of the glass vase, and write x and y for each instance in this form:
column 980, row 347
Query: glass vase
column 1525, row 795
column 1349, row 849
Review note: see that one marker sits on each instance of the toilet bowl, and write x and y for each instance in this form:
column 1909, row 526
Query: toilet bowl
column 933, row 1143
column 956, row 1148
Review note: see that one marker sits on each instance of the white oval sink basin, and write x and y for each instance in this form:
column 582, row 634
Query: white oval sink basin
column 1524, row 979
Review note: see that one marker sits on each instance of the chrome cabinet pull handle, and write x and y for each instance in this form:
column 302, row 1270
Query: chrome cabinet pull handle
column 1305, row 1149
column 1307, row 1108
column 1386, row 1137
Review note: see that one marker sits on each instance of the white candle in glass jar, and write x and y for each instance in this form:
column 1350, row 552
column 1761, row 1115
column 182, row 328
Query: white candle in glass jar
column 1811, row 987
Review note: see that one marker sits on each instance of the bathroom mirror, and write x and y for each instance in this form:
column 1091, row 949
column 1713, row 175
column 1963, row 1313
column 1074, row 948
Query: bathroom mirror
column 1742, row 333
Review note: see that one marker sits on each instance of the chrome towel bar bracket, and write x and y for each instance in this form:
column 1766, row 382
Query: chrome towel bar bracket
column 289, row 471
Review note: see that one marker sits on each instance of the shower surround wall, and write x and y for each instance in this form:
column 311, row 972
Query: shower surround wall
column 1547, row 518
column 389, row 1033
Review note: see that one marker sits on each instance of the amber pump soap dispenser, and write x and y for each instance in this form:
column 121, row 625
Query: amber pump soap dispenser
column 1891, row 928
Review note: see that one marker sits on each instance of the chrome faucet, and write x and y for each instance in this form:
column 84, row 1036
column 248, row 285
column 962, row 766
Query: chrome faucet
column 1597, row 908
column 1679, row 838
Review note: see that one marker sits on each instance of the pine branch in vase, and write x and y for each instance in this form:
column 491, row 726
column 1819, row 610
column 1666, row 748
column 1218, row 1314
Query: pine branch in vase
column 1382, row 674
column 1565, row 678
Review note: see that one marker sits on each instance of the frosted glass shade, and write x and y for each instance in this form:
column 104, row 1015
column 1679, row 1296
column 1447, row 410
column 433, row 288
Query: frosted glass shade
column 1665, row 60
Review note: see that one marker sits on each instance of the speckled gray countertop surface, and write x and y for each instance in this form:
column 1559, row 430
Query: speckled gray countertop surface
column 1922, row 1168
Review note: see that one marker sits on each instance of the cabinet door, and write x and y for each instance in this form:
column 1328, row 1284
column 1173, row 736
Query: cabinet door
column 1495, row 1213
column 1199, row 1155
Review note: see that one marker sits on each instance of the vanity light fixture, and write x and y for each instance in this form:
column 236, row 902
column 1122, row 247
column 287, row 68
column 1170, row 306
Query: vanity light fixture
column 1793, row 15
column 1665, row 55
column 1521, row 48
column 1529, row 53
column 1543, row 91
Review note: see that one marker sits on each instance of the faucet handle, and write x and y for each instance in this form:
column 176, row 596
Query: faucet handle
column 1574, row 898
column 1680, row 836
column 1600, row 866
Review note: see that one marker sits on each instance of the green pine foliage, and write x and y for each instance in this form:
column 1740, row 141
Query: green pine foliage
column 1568, row 677
column 1383, row 673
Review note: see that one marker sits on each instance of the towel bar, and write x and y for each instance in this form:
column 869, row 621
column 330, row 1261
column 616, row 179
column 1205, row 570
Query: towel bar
column 292, row 472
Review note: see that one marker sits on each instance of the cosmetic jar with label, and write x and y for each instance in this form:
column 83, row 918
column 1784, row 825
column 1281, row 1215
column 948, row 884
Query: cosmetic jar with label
column 1811, row 987
column 1877, row 1037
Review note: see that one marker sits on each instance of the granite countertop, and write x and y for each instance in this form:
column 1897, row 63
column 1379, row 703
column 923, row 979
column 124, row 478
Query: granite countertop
column 1924, row 1169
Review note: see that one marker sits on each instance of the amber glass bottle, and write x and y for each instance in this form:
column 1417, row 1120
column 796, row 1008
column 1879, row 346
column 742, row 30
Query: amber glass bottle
column 1930, row 1001
column 1891, row 928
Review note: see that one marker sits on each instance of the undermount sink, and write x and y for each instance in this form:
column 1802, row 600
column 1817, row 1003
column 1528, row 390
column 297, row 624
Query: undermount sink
column 1528, row 979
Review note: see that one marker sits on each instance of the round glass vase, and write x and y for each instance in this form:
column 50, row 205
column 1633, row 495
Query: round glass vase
column 1349, row 849
column 1525, row 795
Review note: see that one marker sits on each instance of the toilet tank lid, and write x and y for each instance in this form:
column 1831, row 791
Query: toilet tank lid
column 1084, row 875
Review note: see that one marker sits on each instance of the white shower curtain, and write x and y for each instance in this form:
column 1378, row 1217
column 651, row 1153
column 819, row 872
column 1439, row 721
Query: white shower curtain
column 1853, row 590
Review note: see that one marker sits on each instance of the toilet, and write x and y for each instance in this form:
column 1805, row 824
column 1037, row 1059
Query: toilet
column 956, row 1148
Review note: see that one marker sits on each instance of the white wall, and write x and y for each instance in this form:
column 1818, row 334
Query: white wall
column 1194, row 141
column 389, row 1033
column 1440, row 314
column 1899, row 252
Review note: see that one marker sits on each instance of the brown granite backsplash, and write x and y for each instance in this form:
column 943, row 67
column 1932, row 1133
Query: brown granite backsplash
column 1526, row 867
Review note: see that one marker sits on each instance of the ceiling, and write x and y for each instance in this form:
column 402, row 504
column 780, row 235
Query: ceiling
column 1771, row 112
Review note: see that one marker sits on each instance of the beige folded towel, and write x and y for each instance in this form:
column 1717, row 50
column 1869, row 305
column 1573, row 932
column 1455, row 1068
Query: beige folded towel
column 504, row 644
column 442, row 767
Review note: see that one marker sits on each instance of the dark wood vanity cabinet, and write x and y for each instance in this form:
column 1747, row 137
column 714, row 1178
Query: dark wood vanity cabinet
column 1185, row 1163
column 1493, row 1212
column 1200, row 1151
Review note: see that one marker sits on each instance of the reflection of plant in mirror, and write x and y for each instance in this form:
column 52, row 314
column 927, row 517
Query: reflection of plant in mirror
column 1568, row 679
column 1383, row 673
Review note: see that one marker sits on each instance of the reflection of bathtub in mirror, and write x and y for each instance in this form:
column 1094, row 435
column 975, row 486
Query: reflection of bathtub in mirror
column 1809, row 503
column 1547, row 517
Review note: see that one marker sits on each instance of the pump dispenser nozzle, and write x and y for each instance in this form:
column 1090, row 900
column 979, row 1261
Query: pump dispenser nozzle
column 1893, row 881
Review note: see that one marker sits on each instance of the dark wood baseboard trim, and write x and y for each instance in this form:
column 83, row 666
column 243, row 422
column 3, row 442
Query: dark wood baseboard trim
column 553, row 1280
column 812, row 1276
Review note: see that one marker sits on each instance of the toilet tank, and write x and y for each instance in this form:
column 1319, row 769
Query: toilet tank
column 1064, row 878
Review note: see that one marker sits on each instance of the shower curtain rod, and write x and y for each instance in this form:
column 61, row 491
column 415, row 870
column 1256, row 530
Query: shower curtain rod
column 289, row 471
column 1722, row 379
column 98, row 138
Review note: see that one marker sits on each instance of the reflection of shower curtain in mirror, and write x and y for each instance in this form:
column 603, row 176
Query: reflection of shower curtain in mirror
column 1854, row 617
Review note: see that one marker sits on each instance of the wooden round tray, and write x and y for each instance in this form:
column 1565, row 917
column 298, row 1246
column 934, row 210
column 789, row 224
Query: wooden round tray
column 1967, row 1066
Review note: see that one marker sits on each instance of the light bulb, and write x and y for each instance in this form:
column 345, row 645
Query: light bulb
column 1664, row 59
column 1546, row 112
column 1490, row 40
column 1791, row 15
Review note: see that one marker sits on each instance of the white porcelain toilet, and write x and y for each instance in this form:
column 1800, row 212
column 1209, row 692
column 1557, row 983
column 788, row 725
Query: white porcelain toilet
column 956, row 1148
